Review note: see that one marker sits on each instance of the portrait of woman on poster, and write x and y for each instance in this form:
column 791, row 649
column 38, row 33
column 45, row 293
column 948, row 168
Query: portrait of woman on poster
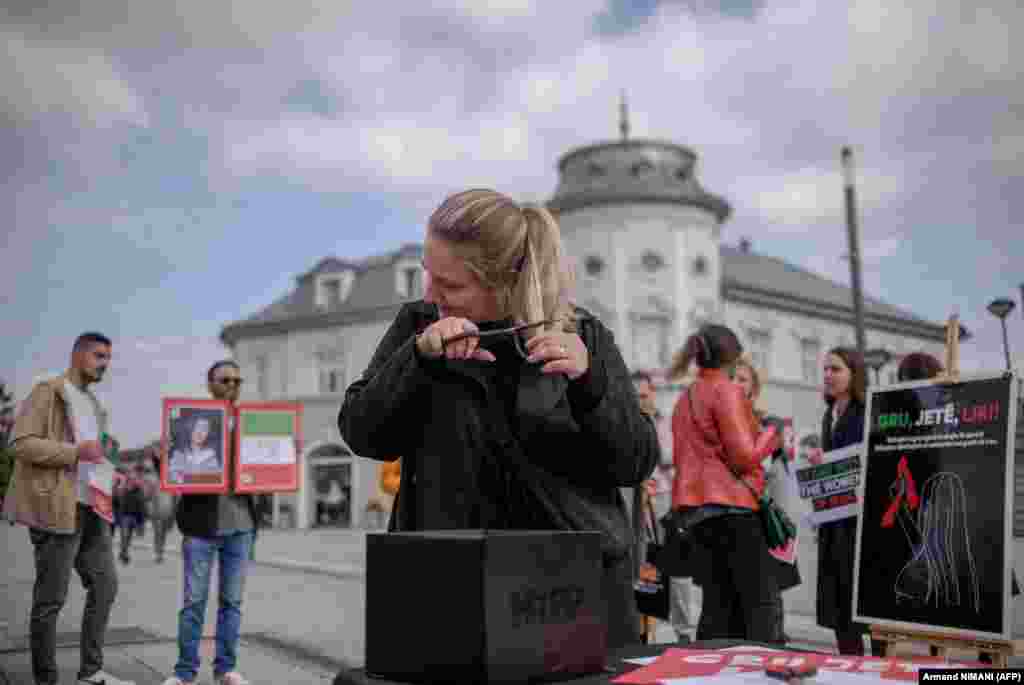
column 192, row 453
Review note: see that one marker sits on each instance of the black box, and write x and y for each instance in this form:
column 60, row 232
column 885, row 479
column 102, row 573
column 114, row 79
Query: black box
column 476, row 606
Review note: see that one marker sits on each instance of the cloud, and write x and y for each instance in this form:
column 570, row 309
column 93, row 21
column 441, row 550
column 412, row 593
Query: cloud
column 44, row 77
column 162, row 137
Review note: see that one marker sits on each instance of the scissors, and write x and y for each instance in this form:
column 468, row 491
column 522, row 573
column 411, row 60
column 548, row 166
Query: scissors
column 499, row 332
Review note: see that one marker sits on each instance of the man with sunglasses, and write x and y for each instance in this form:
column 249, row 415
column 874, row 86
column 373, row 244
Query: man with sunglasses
column 221, row 528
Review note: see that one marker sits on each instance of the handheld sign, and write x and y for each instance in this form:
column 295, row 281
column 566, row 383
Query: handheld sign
column 267, row 447
column 830, row 488
column 934, row 540
column 194, row 446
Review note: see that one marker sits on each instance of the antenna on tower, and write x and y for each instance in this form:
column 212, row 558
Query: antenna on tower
column 624, row 116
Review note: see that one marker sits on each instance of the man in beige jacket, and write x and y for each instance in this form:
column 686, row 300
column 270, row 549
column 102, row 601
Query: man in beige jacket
column 58, row 458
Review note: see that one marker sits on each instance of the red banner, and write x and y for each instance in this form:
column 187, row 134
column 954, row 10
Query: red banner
column 688, row 663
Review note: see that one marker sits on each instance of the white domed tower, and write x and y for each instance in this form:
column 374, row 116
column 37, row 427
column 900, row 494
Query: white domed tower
column 644, row 239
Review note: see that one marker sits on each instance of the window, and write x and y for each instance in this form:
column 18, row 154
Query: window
column 262, row 385
column 595, row 170
column 810, row 360
column 330, row 364
column 760, row 349
column 650, row 343
column 411, row 282
column 332, row 292
column 652, row 261
column 332, row 289
column 642, row 167
column 332, row 379
column 700, row 265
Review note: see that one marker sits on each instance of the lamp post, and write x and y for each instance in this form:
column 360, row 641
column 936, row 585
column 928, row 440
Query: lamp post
column 877, row 358
column 1001, row 308
column 846, row 157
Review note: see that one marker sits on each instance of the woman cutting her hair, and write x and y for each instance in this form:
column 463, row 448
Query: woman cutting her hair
column 511, row 408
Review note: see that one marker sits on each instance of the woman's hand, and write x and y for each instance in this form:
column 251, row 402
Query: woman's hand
column 431, row 342
column 561, row 352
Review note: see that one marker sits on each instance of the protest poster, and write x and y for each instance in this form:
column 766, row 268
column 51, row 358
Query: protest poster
column 934, row 541
column 194, row 446
column 830, row 487
column 267, row 446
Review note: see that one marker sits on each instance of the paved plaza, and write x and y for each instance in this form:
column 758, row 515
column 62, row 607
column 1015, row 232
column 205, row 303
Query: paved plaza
column 303, row 614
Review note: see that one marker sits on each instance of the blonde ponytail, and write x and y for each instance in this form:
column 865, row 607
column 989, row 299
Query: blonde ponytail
column 541, row 290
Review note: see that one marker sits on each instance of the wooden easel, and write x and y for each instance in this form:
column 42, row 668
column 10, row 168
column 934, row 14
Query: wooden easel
column 999, row 649
column 952, row 370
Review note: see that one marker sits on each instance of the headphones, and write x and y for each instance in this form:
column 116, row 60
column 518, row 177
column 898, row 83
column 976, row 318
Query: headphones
column 703, row 350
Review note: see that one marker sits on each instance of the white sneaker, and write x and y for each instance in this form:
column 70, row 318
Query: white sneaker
column 103, row 678
column 175, row 680
column 231, row 678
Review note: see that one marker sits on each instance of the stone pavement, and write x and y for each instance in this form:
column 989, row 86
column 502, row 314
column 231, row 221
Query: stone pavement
column 302, row 621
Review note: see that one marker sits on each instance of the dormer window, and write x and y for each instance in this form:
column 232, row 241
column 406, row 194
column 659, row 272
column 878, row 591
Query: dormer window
column 333, row 289
column 595, row 170
column 409, row 280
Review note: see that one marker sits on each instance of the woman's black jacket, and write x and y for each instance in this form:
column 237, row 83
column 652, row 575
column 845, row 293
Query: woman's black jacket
column 552, row 457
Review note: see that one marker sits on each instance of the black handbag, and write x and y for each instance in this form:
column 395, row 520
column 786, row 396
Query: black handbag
column 653, row 596
column 675, row 557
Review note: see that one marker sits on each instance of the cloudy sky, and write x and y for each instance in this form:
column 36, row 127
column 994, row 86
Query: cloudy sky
column 172, row 166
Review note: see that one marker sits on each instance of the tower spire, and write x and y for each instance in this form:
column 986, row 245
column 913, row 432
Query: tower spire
column 624, row 116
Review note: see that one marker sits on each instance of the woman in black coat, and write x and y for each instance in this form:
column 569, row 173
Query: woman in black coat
column 842, row 425
column 536, row 429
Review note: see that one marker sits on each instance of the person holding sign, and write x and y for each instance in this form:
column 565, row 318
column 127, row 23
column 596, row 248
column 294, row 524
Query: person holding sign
column 61, row 490
column 511, row 408
column 718, row 449
column 842, row 425
column 219, row 528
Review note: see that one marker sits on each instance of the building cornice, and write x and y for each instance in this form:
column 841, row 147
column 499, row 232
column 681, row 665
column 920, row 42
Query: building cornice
column 583, row 200
column 733, row 291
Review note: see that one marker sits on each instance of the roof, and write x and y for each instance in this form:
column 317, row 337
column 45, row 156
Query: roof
column 747, row 277
column 629, row 172
column 373, row 295
column 744, row 269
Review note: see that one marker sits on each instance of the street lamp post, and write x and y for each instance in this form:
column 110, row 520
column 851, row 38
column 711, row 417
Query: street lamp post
column 877, row 358
column 854, row 244
column 1001, row 308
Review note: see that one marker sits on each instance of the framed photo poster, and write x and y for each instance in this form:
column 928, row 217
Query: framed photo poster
column 934, row 539
column 194, row 441
column 267, row 447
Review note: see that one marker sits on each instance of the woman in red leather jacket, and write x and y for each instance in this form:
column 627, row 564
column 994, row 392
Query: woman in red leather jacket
column 717, row 441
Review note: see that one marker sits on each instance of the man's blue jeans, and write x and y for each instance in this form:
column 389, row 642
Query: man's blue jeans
column 232, row 553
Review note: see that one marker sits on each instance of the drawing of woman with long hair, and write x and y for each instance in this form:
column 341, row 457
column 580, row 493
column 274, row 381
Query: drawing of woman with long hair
column 941, row 571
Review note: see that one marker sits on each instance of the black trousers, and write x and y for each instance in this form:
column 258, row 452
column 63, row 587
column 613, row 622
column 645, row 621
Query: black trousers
column 89, row 551
column 740, row 586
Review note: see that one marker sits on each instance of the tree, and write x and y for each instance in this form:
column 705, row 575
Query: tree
column 6, row 426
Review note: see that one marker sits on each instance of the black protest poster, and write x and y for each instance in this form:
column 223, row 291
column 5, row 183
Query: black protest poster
column 934, row 535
